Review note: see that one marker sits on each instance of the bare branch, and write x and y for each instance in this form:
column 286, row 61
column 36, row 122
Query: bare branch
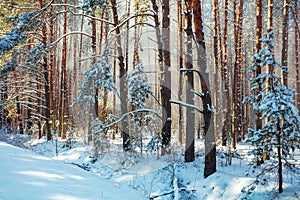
column 91, row 17
column 181, row 103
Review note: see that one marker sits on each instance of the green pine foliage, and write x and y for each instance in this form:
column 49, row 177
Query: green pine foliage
column 279, row 135
column 98, row 76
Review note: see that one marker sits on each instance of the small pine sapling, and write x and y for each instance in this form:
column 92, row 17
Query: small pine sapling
column 139, row 92
column 98, row 76
column 279, row 135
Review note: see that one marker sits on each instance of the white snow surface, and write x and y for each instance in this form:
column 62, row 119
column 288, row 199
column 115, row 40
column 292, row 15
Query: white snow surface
column 37, row 173
column 27, row 175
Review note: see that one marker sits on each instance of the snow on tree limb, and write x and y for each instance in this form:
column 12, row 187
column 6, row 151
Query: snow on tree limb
column 155, row 112
column 181, row 103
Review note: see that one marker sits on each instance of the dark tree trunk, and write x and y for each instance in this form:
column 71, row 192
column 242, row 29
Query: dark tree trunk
column 122, row 78
column 46, row 80
column 165, row 88
column 180, row 65
column 280, row 181
column 63, row 86
column 295, row 13
column 237, row 98
column 285, row 41
column 95, row 111
column 190, row 115
column 225, row 75
column 270, row 68
column 216, row 52
column 51, row 64
column 210, row 142
column 259, row 29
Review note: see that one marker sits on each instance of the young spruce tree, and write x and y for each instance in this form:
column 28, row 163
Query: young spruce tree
column 279, row 136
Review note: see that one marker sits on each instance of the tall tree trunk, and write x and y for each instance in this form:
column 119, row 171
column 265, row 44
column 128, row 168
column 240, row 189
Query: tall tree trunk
column 216, row 62
column 94, row 52
column 280, row 181
column 285, row 41
column 240, row 73
column 237, row 98
column 259, row 29
column 270, row 68
column 234, row 96
column 46, row 79
column 105, row 92
column 51, row 64
column 190, row 115
column 295, row 13
column 235, row 76
column 122, row 78
column 165, row 88
column 180, row 65
column 64, row 95
column 159, row 43
column 210, row 141
column 136, row 57
column 225, row 75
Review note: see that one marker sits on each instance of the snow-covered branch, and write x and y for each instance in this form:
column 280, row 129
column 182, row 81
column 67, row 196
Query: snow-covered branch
column 142, row 23
column 24, row 94
column 181, row 103
column 68, row 5
column 155, row 112
column 26, row 82
column 91, row 17
column 37, row 116
column 70, row 33
column 26, row 102
column 43, row 10
column 199, row 94
column 29, row 89
column 129, row 18
column 190, row 70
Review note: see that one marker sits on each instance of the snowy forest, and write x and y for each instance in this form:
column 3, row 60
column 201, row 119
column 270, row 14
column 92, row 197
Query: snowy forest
column 149, row 99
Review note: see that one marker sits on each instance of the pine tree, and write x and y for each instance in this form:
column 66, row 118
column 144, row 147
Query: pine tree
column 139, row 92
column 279, row 136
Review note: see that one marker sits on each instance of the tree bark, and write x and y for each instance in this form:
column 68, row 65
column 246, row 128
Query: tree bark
column 225, row 75
column 180, row 65
column 64, row 95
column 51, row 65
column 237, row 98
column 279, row 157
column 295, row 13
column 216, row 62
column 122, row 78
column 270, row 68
column 285, row 41
column 95, row 111
column 190, row 115
column 259, row 29
column 165, row 88
column 210, row 141
column 46, row 79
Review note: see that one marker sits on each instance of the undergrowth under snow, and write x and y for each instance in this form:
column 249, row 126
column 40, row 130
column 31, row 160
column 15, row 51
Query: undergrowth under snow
column 75, row 174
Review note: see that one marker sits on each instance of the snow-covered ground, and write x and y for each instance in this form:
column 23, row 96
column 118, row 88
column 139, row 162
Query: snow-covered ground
column 27, row 175
column 37, row 173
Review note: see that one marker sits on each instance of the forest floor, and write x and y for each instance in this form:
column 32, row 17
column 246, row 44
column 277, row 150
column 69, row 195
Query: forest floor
column 54, row 171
